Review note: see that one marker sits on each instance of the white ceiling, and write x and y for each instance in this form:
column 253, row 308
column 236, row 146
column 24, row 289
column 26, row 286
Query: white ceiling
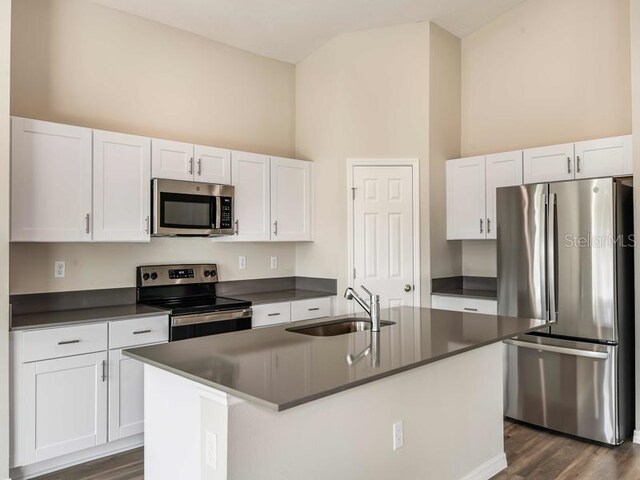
column 289, row 30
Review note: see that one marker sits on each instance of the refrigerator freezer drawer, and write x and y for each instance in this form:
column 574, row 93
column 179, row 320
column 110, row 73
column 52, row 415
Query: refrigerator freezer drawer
column 566, row 386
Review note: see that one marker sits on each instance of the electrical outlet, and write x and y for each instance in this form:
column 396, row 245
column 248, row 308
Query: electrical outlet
column 274, row 263
column 242, row 262
column 59, row 268
column 211, row 450
column 398, row 435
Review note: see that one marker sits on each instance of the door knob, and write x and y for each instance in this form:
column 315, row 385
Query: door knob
column 407, row 288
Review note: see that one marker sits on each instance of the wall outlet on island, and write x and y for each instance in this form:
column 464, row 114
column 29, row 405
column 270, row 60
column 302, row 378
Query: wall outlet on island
column 398, row 435
column 274, row 263
column 211, row 450
column 242, row 262
column 58, row 268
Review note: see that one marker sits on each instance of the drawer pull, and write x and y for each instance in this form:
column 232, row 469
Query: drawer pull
column 138, row 332
column 314, row 309
column 470, row 309
column 68, row 342
column 273, row 314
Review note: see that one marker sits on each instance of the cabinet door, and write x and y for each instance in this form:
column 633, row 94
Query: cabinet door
column 50, row 182
column 466, row 198
column 290, row 199
column 606, row 157
column 172, row 160
column 501, row 170
column 121, row 187
column 554, row 163
column 65, row 405
column 250, row 176
column 212, row 165
column 126, row 396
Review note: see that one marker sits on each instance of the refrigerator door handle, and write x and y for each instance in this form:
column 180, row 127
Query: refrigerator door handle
column 551, row 257
column 552, row 348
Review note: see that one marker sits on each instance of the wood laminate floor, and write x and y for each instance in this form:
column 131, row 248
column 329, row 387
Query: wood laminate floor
column 532, row 454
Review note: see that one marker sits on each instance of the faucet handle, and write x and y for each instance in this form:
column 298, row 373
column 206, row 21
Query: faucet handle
column 366, row 290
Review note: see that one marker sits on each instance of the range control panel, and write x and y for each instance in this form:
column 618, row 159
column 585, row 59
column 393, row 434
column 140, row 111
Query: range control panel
column 157, row 275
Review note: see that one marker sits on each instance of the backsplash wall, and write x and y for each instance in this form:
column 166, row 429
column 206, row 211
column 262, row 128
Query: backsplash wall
column 77, row 62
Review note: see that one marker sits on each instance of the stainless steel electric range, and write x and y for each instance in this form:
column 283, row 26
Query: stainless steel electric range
column 188, row 292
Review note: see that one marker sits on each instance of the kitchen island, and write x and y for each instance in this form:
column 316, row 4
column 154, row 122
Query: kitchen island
column 420, row 399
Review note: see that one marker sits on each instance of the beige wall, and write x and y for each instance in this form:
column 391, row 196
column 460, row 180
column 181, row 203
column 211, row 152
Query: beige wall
column 444, row 143
column 547, row 71
column 635, row 87
column 80, row 63
column 5, row 42
column 361, row 95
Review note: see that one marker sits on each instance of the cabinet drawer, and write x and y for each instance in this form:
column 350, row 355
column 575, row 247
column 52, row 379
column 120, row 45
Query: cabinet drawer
column 271, row 314
column 464, row 304
column 311, row 308
column 63, row 341
column 138, row 331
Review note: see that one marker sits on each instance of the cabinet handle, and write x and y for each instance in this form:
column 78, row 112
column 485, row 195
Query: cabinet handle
column 275, row 228
column 104, row 370
column 138, row 332
column 146, row 229
column 87, row 222
column 199, row 167
column 568, row 164
column 488, row 225
column 68, row 342
column 272, row 314
column 237, row 227
column 481, row 226
column 191, row 166
column 470, row 309
column 578, row 165
column 314, row 309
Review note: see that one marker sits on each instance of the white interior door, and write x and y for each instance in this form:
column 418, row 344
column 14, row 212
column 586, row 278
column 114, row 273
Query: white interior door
column 383, row 233
column 121, row 187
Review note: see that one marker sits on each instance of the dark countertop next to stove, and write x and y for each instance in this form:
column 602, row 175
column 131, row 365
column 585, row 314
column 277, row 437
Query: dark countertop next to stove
column 82, row 315
column 282, row 369
column 464, row 286
column 259, row 298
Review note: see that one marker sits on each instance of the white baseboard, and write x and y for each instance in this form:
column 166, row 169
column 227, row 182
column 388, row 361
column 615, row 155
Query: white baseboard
column 48, row 466
column 636, row 436
column 488, row 469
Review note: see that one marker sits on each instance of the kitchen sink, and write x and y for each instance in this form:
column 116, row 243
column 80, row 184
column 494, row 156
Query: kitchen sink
column 336, row 327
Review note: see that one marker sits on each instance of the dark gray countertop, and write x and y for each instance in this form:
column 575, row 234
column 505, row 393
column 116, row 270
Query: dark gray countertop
column 82, row 315
column 281, row 296
column 468, row 293
column 281, row 369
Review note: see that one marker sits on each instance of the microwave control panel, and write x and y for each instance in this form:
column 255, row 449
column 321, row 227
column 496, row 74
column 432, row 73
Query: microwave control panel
column 225, row 213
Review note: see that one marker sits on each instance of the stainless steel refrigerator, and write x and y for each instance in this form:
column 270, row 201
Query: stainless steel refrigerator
column 565, row 253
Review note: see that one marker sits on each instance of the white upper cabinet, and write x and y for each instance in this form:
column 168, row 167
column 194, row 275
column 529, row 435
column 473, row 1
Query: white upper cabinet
column 172, row 160
column 121, row 187
column 466, row 198
column 212, row 165
column 251, row 178
column 50, row 182
column 291, row 182
column 501, row 170
column 604, row 158
column 548, row 164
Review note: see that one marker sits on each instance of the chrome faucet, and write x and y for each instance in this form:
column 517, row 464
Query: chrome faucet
column 372, row 308
column 372, row 349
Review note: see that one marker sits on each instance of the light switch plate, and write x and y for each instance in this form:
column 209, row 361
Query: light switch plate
column 274, row 263
column 211, row 450
column 398, row 435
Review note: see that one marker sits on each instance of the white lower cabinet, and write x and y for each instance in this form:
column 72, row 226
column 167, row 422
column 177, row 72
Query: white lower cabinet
column 269, row 314
column 464, row 304
column 64, row 401
column 126, row 396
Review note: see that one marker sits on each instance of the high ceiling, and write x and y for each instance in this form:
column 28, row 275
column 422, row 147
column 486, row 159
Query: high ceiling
column 289, row 30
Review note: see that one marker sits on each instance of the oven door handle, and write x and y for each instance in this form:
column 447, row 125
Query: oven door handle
column 210, row 317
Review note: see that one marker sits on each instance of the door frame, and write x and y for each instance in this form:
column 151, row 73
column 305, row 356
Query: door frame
column 414, row 163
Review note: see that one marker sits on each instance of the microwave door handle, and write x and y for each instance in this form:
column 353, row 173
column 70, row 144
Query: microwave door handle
column 218, row 212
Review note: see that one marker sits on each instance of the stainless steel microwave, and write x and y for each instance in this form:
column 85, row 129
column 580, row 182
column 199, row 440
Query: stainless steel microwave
column 191, row 209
